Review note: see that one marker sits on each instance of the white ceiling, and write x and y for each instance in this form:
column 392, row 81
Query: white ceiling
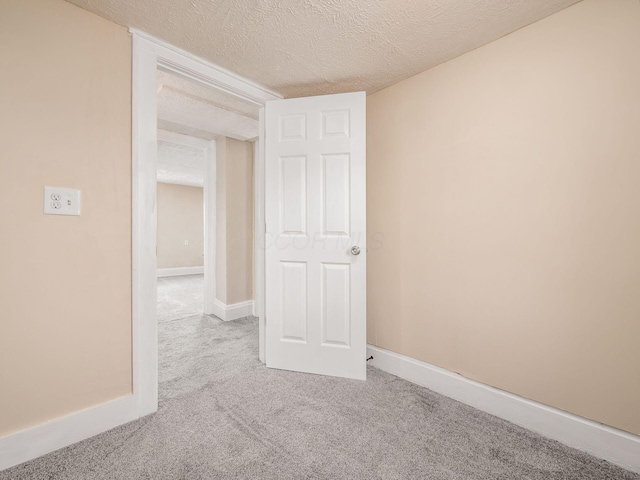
column 176, row 83
column 177, row 108
column 192, row 109
column 180, row 164
column 311, row 47
column 187, row 109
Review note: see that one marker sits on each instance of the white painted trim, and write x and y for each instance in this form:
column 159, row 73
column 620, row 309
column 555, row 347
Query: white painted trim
column 176, row 271
column 186, row 183
column 259, row 238
column 232, row 312
column 615, row 446
column 199, row 70
column 144, row 227
column 210, row 227
column 47, row 437
column 149, row 54
column 184, row 140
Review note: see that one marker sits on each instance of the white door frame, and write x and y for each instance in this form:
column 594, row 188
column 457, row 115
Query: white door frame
column 149, row 54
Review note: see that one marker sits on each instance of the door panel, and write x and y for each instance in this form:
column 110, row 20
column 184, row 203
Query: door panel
column 315, row 213
column 294, row 194
column 336, row 304
column 294, row 301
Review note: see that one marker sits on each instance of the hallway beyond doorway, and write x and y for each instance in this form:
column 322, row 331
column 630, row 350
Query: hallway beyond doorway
column 193, row 348
column 180, row 297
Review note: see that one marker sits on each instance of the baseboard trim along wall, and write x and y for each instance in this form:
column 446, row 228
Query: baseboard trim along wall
column 233, row 311
column 175, row 271
column 47, row 437
column 616, row 446
column 611, row 444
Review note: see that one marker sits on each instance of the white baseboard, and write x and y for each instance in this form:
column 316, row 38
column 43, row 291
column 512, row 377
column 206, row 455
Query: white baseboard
column 234, row 311
column 616, row 446
column 33, row 442
column 611, row 444
column 175, row 271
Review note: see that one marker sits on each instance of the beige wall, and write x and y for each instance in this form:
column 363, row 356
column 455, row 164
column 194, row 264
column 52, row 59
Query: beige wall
column 239, row 221
column 180, row 218
column 221, row 219
column 65, row 282
column 505, row 184
column 234, row 221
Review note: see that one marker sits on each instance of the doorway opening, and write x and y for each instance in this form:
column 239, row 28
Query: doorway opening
column 204, row 198
column 150, row 56
column 325, row 132
column 181, row 223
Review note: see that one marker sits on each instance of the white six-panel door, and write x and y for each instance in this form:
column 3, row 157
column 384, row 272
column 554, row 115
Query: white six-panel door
column 315, row 208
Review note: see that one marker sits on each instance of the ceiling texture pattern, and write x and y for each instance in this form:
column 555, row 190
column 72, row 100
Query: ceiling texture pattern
column 187, row 109
column 200, row 115
column 314, row 47
column 180, row 164
column 188, row 88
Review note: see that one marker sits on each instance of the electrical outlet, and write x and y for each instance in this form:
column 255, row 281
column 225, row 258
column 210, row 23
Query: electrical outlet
column 61, row 201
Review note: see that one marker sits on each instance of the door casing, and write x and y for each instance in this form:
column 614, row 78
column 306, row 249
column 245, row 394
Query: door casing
column 149, row 54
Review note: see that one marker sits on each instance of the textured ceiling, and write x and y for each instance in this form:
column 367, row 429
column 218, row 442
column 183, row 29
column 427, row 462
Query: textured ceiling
column 180, row 164
column 189, row 88
column 192, row 109
column 311, row 47
column 188, row 108
column 175, row 107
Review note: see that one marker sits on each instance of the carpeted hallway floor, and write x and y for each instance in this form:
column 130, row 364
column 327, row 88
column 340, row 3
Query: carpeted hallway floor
column 193, row 348
column 240, row 420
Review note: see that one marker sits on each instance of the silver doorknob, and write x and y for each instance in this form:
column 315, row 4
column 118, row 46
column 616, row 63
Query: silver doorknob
column 355, row 250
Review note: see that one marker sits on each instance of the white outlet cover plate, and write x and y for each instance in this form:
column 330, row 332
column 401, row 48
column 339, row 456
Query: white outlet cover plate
column 61, row 201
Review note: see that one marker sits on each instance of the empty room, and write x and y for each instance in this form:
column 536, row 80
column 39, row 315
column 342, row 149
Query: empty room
column 320, row 239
